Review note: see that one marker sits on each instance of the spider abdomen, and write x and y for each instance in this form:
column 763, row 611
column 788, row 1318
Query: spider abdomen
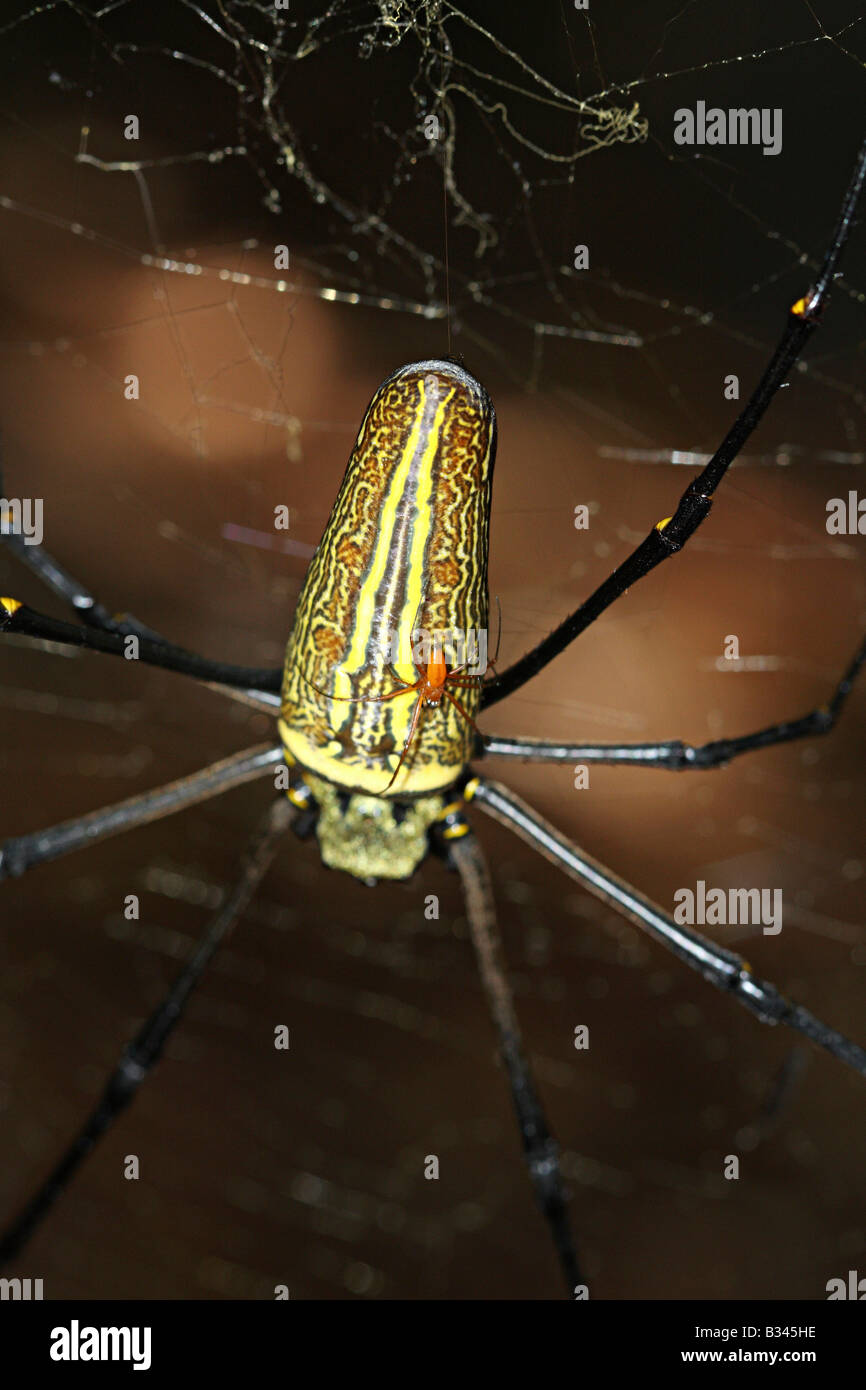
column 404, row 551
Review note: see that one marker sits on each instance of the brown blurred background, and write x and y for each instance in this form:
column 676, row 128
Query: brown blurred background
column 306, row 1168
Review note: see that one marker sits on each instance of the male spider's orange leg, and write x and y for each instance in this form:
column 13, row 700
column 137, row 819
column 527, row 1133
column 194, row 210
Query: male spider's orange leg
column 463, row 680
column 443, row 693
column 498, row 637
column 361, row 699
column 468, row 679
column 460, row 710
column 409, row 737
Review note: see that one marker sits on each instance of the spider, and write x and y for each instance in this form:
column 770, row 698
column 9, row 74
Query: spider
column 434, row 676
column 377, row 565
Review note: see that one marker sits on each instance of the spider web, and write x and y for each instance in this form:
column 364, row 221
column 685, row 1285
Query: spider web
column 431, row 169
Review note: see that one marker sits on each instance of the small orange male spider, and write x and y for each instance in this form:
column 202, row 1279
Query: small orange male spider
column 431, row 687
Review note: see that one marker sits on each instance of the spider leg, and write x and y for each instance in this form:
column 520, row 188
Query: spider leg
column 460, row 710
column 540, row 1148
column 19, row 619
column 411, row 734
column 674, row 755
column 498, row 634
column 491, row 664
column 70, row 590
column 93, row 614
column 724, row 969
column 471, row 680
column 360, row 699
column 671, row 534
column 146, row 1047
column 25, row 851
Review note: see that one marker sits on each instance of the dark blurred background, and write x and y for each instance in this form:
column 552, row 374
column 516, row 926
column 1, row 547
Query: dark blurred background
column 306, row 1168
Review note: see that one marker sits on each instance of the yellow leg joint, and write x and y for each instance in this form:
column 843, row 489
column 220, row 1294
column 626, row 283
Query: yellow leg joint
column 300, row 796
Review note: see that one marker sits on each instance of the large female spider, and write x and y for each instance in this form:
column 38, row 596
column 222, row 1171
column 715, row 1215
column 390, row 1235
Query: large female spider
column 382, row 777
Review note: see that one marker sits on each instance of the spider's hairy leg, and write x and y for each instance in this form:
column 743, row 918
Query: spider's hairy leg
column 94, row 615
column 673, row 754
column 145, row 1049
column 540, row 1148
column 20, row 620
column 25, row 851
column 58, row 579
column 724, row 969
column 671, row 534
